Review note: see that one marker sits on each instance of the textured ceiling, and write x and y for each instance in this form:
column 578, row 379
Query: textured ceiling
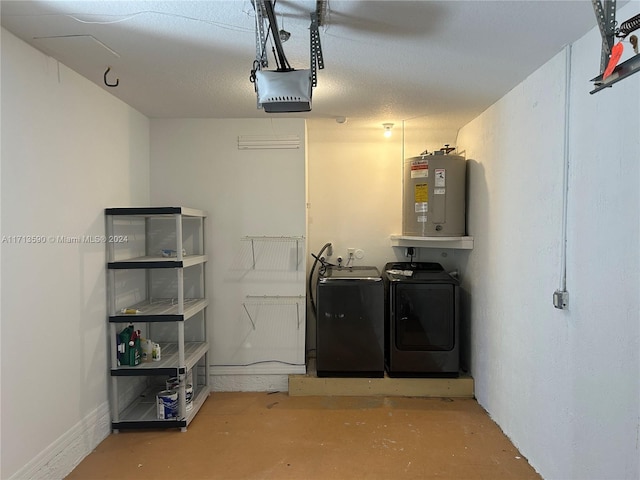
column 385, row 61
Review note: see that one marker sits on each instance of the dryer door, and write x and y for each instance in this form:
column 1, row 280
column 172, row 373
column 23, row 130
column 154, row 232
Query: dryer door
column 425, row 317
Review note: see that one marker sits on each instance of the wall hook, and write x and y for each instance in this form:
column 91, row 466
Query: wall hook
column 105, row 79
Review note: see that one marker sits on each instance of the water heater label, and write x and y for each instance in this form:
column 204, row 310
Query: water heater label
column 420, row 168
column 439, row 191
column 440, row 177
column 422, row 219
column 422, row 207
column 421, row 193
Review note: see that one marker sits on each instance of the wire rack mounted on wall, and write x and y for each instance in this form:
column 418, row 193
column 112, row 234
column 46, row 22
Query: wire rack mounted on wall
column 265, row 253
column 272, row 301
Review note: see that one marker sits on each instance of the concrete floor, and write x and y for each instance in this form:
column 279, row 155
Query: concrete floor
column 277, row 436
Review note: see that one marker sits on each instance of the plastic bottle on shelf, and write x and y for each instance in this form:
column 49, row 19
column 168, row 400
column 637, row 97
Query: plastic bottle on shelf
column 147, row 350
column 130, row 311
column 156, row 354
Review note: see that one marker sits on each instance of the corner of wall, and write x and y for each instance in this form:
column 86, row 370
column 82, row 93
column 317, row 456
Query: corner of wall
column 64, row 454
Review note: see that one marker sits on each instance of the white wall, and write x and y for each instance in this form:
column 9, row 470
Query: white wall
column 354, row 191
column 69, row 149
column 564, row 385
column 197, row 163
column 0, row 262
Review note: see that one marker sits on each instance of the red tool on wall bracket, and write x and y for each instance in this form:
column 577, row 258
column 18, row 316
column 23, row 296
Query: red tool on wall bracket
column 616, row 53
column 611, row 54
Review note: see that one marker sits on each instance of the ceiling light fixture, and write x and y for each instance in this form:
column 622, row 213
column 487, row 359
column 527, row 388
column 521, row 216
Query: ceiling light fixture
column 387, row 129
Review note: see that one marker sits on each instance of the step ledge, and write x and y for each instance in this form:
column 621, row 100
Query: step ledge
column 311, row 384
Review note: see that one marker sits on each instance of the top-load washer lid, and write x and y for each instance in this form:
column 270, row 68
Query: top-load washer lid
column 350, row 273
column 419, row 272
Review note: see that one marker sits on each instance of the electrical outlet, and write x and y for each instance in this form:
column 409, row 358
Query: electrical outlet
column 351, row 252
column 561, row 299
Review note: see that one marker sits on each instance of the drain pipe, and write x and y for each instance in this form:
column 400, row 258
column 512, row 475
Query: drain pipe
column 561, row 296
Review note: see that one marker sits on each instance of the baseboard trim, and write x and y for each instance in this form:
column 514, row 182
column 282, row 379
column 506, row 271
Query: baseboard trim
column 249, row 383
column 64, row 454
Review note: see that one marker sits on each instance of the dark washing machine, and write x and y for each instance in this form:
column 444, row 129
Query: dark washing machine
column 350, row 322
column 421, row 320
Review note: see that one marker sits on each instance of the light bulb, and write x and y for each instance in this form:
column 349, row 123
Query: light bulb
column 387, row 129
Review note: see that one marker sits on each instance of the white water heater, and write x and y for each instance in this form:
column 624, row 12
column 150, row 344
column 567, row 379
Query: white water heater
column 434, row 195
